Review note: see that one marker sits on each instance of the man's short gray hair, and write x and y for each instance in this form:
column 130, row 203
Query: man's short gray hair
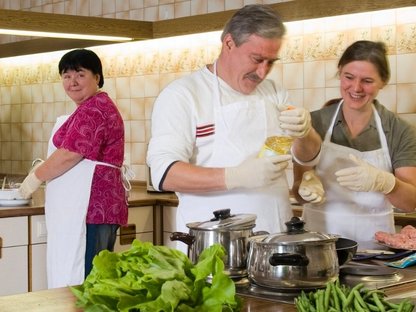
column 254, row 19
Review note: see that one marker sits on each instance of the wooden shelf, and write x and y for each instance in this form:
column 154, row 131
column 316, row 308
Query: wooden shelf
column 294, row 10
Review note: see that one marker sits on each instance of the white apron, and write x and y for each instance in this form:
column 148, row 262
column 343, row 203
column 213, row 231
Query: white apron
column 66, row 204
column 354, row 215
column 239, row 127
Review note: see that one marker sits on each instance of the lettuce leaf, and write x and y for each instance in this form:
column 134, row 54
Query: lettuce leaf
column 149, row 278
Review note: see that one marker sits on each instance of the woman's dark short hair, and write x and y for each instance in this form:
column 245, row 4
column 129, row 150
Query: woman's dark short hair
column 370, row 51
column 82, row 58
column 254, row 19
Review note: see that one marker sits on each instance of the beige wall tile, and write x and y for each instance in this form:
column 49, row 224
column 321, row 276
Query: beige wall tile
column 123, row 106
column 406, row 68
column 138, row 133
column 314, row 98
column 296, row 97
column 109, row 7
column 293, row 75
column 182, row 9
column 199, row 7
column 26, row 132
column 123, row 88
column 388, row 97
column 216, row 5
column 233, row 4
column 314, row 74
column 96, row 8
column 16, row 132
column 406, row 95
column 138, row 109
column 70, row 7
column 151, row 85
column 138, row 153
column 151, row 13
column 166, row 11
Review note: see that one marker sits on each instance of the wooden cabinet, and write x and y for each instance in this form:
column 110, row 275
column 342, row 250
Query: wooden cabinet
column 169, row 225
column 13, row 255
column 37, row 253
column 140, row 226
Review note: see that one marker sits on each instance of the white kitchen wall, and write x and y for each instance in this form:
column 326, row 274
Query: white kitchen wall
column 31, row 95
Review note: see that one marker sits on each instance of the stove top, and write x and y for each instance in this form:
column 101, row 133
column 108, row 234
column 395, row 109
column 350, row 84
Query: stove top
column 373, row 276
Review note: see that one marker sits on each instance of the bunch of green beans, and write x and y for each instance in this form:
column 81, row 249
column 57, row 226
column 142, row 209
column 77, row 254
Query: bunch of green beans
column 337, row 297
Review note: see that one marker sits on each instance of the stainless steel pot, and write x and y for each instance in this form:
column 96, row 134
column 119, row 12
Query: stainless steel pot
column 295, row 259
column 231, row 231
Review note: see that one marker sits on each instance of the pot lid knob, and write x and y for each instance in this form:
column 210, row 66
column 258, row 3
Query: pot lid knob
column 295, row 226
column 221, row 214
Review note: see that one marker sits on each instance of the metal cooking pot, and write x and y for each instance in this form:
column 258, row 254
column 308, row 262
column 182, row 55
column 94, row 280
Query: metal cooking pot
column 231, row 231
column 296, row 259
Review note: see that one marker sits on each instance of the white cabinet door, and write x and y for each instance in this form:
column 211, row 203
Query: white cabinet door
column 14, row 255
column 140, row 226
column 38, row 236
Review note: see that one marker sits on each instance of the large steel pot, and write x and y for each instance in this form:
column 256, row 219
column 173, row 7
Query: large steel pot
column 231, row 231
column 296, row 259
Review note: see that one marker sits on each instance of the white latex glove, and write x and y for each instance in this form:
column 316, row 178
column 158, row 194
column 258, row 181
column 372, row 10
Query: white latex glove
column 31, row 183
column 365, row 177
column 311, row 188
column 256, row 172
column 295, row 121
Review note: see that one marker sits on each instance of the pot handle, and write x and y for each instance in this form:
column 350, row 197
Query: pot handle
column 288, row 259
column 183, row 237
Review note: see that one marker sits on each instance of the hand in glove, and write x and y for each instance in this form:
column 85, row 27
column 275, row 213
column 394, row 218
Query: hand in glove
column 365, row 178
column 295, row 121
column 31, row 183
column 256, row 172
column 311, row 188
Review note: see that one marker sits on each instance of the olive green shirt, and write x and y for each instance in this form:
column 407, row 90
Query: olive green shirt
column 400, row 135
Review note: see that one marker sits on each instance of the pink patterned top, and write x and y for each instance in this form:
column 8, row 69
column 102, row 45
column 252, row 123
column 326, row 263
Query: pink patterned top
column 96, row 131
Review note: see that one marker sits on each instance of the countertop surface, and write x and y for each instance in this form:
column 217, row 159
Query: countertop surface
column 62, row 300
column 139, row 196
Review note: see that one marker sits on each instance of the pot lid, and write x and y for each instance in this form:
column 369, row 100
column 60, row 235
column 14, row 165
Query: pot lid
column 224, row 220
column 297, row 234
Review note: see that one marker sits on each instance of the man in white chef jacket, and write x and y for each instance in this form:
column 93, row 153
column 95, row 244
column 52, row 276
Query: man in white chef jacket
column 208, row 128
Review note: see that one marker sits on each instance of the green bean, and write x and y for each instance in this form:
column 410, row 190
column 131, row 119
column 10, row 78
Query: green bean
column 334, row 288
column 341, row 295
column 357, row 305
column 400, row 308
column 351, row 294
column 359, row 298
column 378, row 303
column 326, row 296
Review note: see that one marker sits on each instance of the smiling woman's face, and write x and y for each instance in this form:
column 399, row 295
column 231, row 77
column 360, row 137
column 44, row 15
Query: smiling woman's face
column 360, row 84
column 80, row 84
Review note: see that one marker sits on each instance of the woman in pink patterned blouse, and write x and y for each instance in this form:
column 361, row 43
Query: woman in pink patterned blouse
column 85, row 201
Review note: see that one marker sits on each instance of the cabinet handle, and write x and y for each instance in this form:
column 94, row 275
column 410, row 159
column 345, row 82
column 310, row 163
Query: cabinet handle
column 1, row 245
column 128, row 229
column 127, row 239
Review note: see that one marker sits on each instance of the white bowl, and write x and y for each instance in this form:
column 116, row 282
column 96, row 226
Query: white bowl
column 10, row 194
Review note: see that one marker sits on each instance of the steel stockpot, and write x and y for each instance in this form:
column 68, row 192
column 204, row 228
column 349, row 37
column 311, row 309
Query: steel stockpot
column 296, row 259
column 230, row 230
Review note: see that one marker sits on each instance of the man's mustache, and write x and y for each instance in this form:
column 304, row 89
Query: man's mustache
column 253, row 77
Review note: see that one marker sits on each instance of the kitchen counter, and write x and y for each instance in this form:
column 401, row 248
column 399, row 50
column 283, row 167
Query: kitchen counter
column 62, row 300
column 140, row 197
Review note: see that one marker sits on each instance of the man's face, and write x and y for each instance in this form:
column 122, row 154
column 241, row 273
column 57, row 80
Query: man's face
column 248, row 64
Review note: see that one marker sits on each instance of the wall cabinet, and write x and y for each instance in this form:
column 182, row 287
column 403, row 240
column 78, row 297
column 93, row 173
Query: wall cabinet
column 13, row 255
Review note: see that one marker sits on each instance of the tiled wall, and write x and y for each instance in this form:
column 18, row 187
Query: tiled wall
column 32, row 96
